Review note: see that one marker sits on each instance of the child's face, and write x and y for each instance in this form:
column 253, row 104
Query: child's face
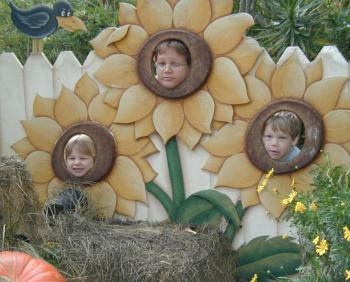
column 79, row 164
column 171, row 68
column 277, row 143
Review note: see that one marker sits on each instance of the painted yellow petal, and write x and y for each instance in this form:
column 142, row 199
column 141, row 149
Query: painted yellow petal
column 344, row 99
column 42, row 132
column 303, row 179
column 214, row 164
column 272, row 199
column 193, row 15
column 217, row 124
column 86, row 88
column 148, row 150
column 133, row 42
column 118, row 71
column 314, row 71
column 168, row 119
column 126, row 180
column 238, row 172
column 39, row 165
column 226, row 83
column 265, row 68
column 23, row 147
column 154, row 15
column 336, row 154
column 41, row 192
column 43, row 107
column 99, row 43
column 55, row 187
column 113, row 96
column 323, row 95
column 101, row 112
column 249, row 197
column 245, row 54
column 223, row 112
column 70, row 109
column 127, row 14
column 346, row 146
column 136, row 103
column 144, row 127
column 172, row 2
column 337, row 126
column 102, row 200
column 225, row 33
column 289, row 79
column 189, row 135
column 118, row 34
column 148, row 173
column 199, row 110
column 228, row 140
column 259, row 95
column 220, row 8
column 126, row 140
column 126, row 207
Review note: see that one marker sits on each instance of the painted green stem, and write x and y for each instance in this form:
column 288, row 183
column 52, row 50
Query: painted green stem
column 162, row 197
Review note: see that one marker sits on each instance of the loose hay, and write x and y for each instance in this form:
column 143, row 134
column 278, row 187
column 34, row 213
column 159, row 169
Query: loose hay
column 99, row 251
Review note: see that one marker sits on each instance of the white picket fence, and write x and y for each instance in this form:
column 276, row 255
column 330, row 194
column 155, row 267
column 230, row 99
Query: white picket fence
column 20, row 84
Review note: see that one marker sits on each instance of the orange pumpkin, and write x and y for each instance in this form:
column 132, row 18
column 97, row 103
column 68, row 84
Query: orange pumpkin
column 21, row 267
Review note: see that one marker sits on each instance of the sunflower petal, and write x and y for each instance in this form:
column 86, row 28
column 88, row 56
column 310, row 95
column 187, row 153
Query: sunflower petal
column 272, row 199
column 55, row 187
column 148, row 150
column 118, row 71
column 113, row 96
column 136, row 103
column 102, row 200
column 126, row 140
column 238, row 172
column 23, row 147
column 42, row 132
column 336, row 154
column 259, row 95
column 168, row 119
column 189, row 135
column 226, row 83
column 127, row 14
column 126, row 179
column 69, row 109
column 346, row 146
column 225, row 33
column 144, row 127
column 214, row 164
column 146, row 9
column 99, row 43
column 118, row 34
column 126, row 207
column 223, row 112
column 220, row 8
column 148, row 173
column 289, row 79
column 249, row 197
column 265, row 69
column 199, row 110
column 245, row 54
column 101, row 112
column 304, row 179
column 344, row 99
column 39, row 165
column 323, row 95
column 193, row 15
column 337, row 126
column 228, row 140
column 217, row 124
column 41, row 192
column 43, row 107
column 314, row 71
column 86, row 88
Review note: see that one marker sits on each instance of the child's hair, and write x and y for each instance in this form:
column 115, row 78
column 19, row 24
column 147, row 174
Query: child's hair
column 174, row 44
column 82, row 143
column 287, row 122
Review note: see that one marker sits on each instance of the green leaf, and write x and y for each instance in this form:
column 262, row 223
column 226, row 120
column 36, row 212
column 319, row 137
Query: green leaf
column 211, row 216
column 191, row 208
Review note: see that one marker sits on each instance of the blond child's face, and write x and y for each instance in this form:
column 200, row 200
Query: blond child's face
column 171, row 68
column 79, row 164
column 277, row 143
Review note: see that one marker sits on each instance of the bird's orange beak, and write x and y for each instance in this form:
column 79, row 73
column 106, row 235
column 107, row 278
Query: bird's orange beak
column 71, row 23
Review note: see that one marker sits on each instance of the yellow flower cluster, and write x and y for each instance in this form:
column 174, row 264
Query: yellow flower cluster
column 254, row 278
column 313, row 206
column 300, row 207
column 264, row 182
column 291, row 196
column 346, row 233
column 321, row 245
column 347, row 275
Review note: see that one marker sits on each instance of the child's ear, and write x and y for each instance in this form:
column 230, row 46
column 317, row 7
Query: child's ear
column 295, row 141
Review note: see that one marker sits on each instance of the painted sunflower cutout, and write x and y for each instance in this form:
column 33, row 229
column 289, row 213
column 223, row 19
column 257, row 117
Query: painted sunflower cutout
column 123, row 185
column 290, row 82
column 211, row 104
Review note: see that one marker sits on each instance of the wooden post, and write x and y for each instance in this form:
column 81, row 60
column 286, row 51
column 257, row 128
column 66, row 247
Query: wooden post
column 37, row 46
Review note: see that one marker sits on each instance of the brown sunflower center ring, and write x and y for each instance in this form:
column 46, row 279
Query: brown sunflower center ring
column 106, row 151
column 314, row 133
column 201, row 61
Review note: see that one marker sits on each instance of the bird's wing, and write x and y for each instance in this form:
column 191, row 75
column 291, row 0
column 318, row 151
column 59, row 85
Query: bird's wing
column 35, row 20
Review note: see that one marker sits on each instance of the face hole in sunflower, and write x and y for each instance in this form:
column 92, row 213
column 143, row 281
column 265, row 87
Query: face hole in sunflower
column 174, row 63
column 285, row 135
column 84, row 152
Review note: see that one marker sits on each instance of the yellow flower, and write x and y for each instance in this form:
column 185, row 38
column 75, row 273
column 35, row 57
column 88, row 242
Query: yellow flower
column 285, row 237
column 316, row 240
column 322, row 247
column 285, row 202
column 347, row 275
column 254, row 278
column 346, row 233
column 260, row 188
column 300, row 207
column 270, row 173
column 290, row 198
column 313, row 206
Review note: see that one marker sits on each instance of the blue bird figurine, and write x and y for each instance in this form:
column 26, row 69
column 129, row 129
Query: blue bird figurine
column 41, row 21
